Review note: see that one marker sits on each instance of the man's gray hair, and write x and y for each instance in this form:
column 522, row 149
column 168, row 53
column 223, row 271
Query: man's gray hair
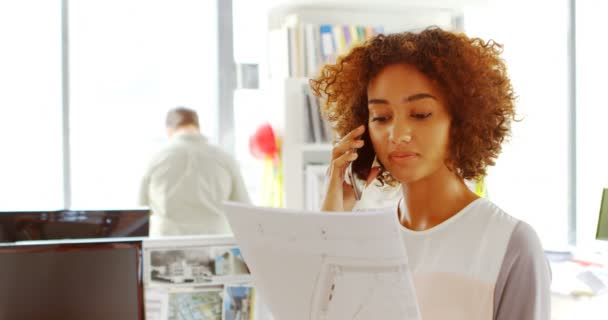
column 180, row 117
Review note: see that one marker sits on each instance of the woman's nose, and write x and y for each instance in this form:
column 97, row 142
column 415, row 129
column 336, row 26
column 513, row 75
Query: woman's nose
column 401, row 134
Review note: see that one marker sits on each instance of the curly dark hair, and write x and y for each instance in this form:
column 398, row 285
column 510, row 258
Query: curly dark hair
column 468, row 71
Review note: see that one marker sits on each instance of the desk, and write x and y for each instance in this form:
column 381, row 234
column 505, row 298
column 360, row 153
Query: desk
column 582, row 308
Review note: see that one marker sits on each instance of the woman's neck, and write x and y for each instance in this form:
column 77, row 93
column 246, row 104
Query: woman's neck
column 433, row 200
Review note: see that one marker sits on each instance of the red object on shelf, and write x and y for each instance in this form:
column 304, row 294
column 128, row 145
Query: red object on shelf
column 263, row 143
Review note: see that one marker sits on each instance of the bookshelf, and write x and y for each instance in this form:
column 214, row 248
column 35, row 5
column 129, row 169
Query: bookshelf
column 297, row 33
column 297, row 152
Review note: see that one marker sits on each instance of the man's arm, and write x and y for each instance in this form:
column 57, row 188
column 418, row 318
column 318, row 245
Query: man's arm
column 523, row 288
column 144, row 198
column 239, row 191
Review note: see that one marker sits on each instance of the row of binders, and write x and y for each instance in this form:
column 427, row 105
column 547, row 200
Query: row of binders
column 310, row 46
column 316, row 129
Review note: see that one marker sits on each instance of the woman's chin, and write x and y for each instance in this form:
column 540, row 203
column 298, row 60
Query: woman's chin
column 406, row 177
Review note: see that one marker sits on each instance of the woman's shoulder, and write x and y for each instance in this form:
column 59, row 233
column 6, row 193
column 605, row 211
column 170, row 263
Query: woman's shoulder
column 522, row 236
column 486, row 210
column 525, row 241
column 524, row 280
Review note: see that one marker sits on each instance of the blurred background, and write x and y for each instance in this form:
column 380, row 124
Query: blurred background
column 85, row 86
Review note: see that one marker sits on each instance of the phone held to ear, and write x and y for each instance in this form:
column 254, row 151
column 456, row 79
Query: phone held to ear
column 358, row 184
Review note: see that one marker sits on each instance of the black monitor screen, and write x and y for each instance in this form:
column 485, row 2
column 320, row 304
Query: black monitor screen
column 71, row 281
column 70, row 224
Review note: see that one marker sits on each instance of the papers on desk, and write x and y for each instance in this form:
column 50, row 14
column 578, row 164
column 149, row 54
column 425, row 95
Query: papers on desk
column 330, row 266
column 577, row 276
column 156, row 305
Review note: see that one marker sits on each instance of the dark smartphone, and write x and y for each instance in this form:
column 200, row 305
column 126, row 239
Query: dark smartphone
column 359, row 170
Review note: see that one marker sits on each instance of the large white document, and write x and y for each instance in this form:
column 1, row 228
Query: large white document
column 326, row 266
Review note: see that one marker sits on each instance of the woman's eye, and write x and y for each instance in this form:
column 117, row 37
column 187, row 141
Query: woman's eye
column 423, row 115
column 379, row 118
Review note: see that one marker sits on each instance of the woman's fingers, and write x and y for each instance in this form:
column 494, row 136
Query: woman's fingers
column 340, row 163
column 340, row 195
column 346, row 146
column 355, row 133
column 349, row 142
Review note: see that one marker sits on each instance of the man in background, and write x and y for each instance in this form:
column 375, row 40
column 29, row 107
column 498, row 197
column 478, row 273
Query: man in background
column 187, row 181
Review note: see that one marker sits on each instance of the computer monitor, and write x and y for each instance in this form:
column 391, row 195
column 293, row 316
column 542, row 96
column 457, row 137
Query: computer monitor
column 602, row 223
column 93, row 280
column 73, row 224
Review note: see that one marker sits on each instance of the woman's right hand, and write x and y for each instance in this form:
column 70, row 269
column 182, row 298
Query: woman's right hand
column 340, row 195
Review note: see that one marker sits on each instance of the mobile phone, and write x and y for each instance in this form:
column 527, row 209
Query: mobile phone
column 355, row 182
column 359, row 170
column 358, row 183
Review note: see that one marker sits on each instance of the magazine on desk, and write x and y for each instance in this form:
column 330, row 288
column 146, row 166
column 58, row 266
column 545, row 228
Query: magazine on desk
column 322, row 265
column 198, row 277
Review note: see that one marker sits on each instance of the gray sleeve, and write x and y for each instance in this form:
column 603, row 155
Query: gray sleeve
column 523, row 286
column 239, row 191
column 144, row 199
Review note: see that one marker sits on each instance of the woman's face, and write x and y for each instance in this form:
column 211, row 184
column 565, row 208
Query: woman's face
column 408, row 123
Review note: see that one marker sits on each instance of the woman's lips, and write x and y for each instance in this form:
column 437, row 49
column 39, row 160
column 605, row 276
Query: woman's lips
column 402, row 156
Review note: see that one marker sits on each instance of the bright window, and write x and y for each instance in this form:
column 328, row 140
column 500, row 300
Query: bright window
column 31, row 175
column 130, row 62
column 591, row 115
column 530, row 179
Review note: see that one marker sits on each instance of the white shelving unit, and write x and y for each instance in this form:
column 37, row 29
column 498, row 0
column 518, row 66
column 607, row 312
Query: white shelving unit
column 297, row 154
column 393, row 18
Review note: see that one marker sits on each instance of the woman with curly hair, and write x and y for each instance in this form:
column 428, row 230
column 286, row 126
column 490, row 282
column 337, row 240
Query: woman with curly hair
column 432, row 109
